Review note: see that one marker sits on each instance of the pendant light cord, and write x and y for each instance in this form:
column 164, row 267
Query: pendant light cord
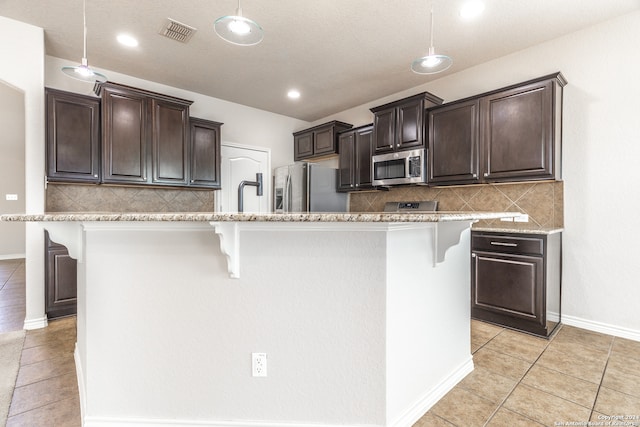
column 431, row 41
column 84, row 24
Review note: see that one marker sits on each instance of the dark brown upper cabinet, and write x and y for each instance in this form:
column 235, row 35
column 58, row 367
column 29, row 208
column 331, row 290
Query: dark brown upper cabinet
column 73, row 137
column 144, row 137
column 205, row 153
column 318, row 141
column 356, row 149
column 511, row 134
column 454, row 143
column 521, row 131
column 399, row 125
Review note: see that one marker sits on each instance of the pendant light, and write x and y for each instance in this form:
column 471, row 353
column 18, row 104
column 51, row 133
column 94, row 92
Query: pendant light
column 432, row 63
column 238, row 30
column 82, row 71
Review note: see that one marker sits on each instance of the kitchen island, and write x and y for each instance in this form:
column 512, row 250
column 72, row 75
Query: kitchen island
column 364, row 317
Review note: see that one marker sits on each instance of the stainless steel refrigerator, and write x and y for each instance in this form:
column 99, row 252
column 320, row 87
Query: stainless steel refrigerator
column 307, row 187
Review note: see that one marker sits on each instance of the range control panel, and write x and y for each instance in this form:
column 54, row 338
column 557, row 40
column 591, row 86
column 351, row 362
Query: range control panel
column 408, row 207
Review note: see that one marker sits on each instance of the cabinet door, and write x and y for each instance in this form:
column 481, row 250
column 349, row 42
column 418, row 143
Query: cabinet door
column 517, row 132
column 205, row 153
column 384, row 130
column 124, row 127
column 453, row 143
column 73, row 137
column 303, row 146
column 60, row 280
column 324, row 142
column 409, row 125
column 170, row 145
column 363, row 153
column 346, row 162
column 508, row 284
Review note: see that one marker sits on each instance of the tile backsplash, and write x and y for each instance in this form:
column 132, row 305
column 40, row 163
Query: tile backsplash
column 104, row 198
column 542, row 201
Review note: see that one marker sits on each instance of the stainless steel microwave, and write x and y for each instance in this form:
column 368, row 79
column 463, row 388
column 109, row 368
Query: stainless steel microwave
column 402, row 167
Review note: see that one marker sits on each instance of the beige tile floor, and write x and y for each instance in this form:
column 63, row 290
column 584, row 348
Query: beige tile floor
column 577, row 376
column 46, row 390
column 519, row 380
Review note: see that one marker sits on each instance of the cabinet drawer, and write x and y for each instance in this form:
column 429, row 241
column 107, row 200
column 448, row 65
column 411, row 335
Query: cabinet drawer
column 507, row 244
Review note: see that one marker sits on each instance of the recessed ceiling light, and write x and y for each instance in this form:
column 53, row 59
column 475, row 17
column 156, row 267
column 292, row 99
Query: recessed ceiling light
column 293, row 94
column 471, row 9
column 127, row 40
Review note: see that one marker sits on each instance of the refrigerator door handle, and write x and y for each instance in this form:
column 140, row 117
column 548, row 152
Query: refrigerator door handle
column 286, row 208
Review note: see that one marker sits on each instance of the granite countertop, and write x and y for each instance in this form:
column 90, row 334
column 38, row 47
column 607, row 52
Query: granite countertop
column 258, row 217
column 524, row 228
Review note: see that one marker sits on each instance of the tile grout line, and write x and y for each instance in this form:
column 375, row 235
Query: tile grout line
column 516, row 386
column 593, row 407
column 35, row 408
column 53, row 402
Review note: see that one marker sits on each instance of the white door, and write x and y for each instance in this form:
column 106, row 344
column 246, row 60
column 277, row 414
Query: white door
column 241, row 163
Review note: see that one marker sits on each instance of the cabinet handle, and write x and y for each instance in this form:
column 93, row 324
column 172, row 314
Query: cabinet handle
column 513, row 245
column 486, row 174
column 95, row 176
column 391, row 146
column 475, row 175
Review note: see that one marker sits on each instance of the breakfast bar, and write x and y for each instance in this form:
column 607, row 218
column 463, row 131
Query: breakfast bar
column 364, row 317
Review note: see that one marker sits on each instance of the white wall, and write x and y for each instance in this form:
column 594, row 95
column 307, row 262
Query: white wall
column 12, row 172
column 242, row 125
column 600, row 161
column 22, row 67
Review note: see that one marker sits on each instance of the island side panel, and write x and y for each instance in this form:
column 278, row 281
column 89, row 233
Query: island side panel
column 428, row 320
column 167, row 335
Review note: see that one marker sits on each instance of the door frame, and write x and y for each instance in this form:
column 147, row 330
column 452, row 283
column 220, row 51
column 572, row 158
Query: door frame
column 266, row 180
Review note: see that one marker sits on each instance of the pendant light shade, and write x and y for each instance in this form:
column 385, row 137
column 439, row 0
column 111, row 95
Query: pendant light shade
column 432, row 63
column 82, row 71
column 238, row 30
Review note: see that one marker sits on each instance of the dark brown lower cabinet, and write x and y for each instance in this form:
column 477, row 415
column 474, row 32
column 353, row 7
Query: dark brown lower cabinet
column 60, row 280
column 516, row 280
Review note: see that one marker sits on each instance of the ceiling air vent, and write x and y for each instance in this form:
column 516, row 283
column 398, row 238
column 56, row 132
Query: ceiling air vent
column 177, row 31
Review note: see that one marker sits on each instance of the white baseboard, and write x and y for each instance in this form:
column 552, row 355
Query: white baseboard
column 82, row 391
column 602, row 328
column 138, row 422
column 425, row 403
column 30, row 324
column 12, row 256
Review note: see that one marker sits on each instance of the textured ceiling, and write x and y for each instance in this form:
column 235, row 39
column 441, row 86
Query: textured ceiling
column 338, row 53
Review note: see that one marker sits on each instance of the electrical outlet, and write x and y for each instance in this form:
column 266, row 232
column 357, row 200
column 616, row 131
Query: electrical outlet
column 259, row 364
column 522, row 218
column 11, row 197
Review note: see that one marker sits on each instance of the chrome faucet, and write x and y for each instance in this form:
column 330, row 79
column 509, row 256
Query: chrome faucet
column 257, row 183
